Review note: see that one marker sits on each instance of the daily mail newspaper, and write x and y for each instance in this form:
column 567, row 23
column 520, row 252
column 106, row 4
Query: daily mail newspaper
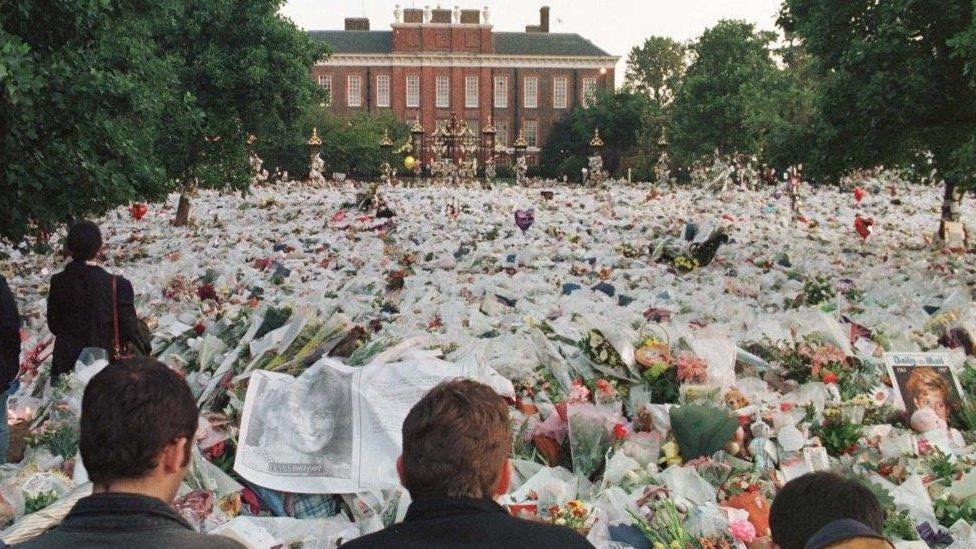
column 334, row 429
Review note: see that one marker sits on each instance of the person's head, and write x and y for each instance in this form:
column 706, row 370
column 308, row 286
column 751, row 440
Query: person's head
column 927, row 389
column 456, row 443
column 810, row 502
column 138, row 421
column 314, row 410
column 84, row 240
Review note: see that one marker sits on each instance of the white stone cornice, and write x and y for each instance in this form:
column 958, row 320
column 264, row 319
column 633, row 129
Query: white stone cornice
column 428, row 59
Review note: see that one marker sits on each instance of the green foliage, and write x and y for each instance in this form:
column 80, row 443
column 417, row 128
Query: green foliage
column 628, row 123
column 103, row 102
column 897, row 78
column 701, row 430
column 899, row 525
column 241, row 68
column 352, row 145
column 80, row 85
column 712, row 106
column 837, row 436
column 40, row 500
column 656, row 67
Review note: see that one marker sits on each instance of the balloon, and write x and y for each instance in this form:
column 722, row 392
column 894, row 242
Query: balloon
column 864, row 227
column 524, row 219
column 409, row 162
column 138, row 211
column 858, row 194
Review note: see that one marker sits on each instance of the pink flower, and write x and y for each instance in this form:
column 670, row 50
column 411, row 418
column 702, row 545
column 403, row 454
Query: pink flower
column 743, row 530
column 604, row 387
column 578, row 393
column 691, row 369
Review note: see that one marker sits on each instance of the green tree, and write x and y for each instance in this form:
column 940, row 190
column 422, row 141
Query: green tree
column 352, row 145
column 81, row 90
column 625, row 120
column 898, row 80
column 711, row 108
column 242, row 69
column 656, row 68
column 783, row 110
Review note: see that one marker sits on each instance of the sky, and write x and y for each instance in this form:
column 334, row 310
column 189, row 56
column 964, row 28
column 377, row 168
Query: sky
column 614, row 25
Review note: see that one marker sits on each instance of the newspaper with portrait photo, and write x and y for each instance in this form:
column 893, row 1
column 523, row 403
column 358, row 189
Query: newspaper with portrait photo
column 925, row 386
column 334, row 428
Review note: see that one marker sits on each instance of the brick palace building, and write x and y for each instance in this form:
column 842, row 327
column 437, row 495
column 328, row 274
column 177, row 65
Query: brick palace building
column 433, row 63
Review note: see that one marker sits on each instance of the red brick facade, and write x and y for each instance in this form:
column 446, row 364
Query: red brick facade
column 459, row 51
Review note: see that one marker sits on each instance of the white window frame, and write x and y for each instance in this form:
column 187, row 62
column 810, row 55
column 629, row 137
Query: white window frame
column 471, row 92
column 413, row 91
column 354, row 99
column 590, row 88
column 501, row 92
column 560, row 92
column 325, row 80
column 382, row 90
column 442, row 92
column 534, row 135
column 530, row 92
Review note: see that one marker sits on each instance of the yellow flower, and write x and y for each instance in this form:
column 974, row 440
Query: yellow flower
column 671, row 453
column 659, row 545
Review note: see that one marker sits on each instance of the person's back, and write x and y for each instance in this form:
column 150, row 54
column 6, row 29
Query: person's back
column 138, row 421
column 456, row 443
column 80, row 309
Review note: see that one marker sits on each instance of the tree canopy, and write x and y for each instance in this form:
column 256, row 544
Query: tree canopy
column 898, row 80
column 81, row 91
column 712, row 105
column 656, row 68
column 104, row 102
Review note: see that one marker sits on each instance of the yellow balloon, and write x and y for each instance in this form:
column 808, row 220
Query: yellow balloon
column 409, row 162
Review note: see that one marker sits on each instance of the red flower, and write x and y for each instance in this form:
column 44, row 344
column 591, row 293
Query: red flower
column 207, row 291
column 200, row 328
column 785, row 406
column 830, row 377
column 215, row 451
column 620, row 431
column 604, row 387
column 251, row 499
column 884, row 469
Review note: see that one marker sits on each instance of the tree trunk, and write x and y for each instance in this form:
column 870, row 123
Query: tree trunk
column 951, row 202
column 183, row 209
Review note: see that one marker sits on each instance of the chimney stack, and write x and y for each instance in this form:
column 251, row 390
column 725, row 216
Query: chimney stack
column 543, row 25
column 357, row 24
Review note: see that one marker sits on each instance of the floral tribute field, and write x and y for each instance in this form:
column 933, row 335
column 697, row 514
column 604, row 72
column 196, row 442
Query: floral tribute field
column 671, row 356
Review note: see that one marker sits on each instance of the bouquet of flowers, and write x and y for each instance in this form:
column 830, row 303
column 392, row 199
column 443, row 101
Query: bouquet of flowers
column 590, row 436
column 575, row 514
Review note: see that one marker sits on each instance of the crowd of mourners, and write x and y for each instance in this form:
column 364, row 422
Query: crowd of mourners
column 139, row 423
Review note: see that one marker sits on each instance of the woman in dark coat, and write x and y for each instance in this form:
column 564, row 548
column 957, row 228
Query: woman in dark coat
column 79, row 306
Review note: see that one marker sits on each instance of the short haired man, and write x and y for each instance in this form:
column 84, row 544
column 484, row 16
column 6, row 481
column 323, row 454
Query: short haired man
column 820, row 510
column 456, row 443
column 138, row 421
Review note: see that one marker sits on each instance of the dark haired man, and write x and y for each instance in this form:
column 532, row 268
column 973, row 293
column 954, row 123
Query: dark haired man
column 456, row 443
column 820, row 510
column 80, row 311
column 138, row 421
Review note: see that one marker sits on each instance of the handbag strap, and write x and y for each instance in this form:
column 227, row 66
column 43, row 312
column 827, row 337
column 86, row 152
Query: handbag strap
column 117, row 341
